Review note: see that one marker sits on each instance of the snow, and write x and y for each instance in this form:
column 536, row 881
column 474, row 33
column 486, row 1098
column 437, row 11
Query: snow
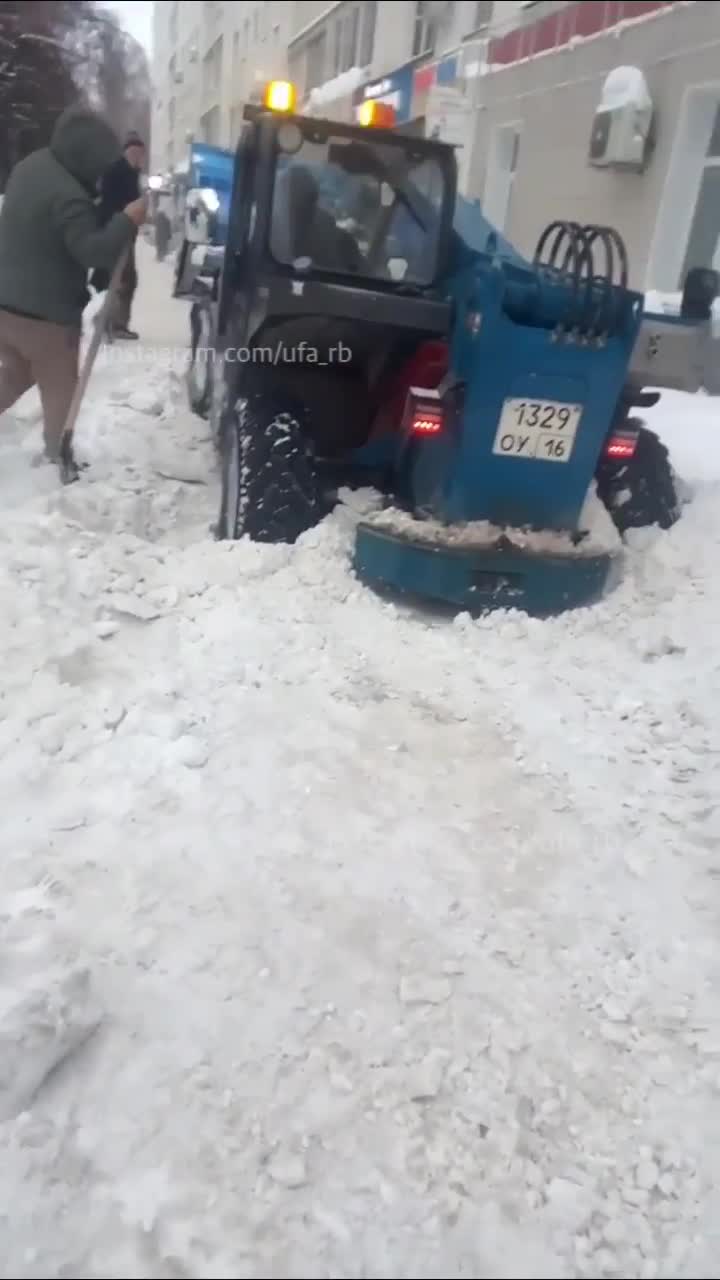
column 625, row 87
column 338, row 940
column 339, row 87
column 598, row 533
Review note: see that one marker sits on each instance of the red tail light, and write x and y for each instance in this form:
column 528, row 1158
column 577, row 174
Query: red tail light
column 423, row 412
column 621, row 446
column 426, row 422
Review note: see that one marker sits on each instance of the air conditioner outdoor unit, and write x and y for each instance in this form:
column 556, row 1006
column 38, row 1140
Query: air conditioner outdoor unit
column 622, row 133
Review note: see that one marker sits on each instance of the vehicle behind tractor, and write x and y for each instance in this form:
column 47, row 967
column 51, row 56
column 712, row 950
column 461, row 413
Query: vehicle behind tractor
column 366, row 325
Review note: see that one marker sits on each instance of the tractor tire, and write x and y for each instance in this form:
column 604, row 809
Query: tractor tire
column 199, row 370
column 270, row 489
column 642, row 491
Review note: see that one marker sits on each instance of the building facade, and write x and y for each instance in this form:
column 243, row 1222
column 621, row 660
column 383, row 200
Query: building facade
column 209, row 59
column 537, row 110
column 340, row 53
column 516, row 87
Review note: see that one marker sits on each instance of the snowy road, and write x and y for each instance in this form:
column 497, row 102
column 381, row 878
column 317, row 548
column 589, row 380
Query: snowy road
column 383, row 947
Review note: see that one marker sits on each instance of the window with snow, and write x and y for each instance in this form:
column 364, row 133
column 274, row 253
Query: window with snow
column 424, row 32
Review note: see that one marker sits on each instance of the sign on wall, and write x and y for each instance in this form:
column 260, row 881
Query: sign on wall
column 394, row 89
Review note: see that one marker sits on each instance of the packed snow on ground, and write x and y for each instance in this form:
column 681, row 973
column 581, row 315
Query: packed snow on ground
column 338, row 940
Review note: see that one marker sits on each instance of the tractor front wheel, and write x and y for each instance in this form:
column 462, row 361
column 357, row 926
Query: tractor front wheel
column 641, row 491
column 270, row 490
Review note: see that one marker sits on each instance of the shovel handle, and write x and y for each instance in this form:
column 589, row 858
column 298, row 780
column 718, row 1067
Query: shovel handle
column 67, row 462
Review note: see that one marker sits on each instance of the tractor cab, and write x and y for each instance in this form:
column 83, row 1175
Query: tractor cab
column 337, row 247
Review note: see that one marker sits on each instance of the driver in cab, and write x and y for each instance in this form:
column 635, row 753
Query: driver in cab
column 301, row 228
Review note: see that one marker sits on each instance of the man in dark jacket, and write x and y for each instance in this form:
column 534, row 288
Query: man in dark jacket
column 49, row 239
column 119, row 187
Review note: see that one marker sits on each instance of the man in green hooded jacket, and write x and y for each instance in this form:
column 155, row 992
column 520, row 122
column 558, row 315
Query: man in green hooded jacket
column 50, row 237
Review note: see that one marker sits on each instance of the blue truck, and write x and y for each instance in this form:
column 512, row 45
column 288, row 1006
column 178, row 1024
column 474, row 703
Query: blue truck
column 208, row 189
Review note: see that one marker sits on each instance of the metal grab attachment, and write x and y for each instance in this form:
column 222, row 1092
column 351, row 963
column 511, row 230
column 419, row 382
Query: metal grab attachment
column 566, row 256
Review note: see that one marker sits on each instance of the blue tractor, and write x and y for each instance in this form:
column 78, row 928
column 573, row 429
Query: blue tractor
column 364, row 325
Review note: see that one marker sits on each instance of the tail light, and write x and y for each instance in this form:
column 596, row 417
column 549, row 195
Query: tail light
column 426, row 422
column 621, row 445
column 424, row 412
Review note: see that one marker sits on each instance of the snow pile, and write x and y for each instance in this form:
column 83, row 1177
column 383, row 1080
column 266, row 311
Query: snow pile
column 598, row 535
column 340, row 86
column 404, row 934
column 48, row 1007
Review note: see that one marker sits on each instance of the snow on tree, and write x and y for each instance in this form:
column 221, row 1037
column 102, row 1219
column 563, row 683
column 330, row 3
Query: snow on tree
column 36, row 80
column 56, row 52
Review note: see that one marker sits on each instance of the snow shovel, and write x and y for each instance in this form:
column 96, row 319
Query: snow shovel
column 69, row 470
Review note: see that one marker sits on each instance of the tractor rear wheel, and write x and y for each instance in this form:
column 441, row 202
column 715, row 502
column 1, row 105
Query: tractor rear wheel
column 641, row 491
column 270, row 490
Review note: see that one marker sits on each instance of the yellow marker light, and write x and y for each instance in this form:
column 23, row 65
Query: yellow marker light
column 376, row 115
column 280, row 96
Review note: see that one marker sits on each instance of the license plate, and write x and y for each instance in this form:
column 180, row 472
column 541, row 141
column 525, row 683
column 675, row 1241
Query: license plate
column 540, row 429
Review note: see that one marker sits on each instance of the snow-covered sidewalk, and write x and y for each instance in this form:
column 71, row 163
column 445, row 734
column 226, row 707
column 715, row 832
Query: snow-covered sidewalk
column 367, row 945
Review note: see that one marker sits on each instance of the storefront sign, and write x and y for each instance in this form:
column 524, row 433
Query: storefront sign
column 425, row 78
column 394, row 89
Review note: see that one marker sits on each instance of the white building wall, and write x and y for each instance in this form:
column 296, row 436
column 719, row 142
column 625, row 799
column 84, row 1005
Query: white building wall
column 210, row 58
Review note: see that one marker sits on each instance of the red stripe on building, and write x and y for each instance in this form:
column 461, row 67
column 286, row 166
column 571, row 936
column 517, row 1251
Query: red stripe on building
column 585, row 18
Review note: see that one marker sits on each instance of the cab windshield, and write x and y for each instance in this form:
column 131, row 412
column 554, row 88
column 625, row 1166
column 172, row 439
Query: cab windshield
column 362, row 208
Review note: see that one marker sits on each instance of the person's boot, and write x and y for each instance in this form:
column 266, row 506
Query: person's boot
column 125, row 335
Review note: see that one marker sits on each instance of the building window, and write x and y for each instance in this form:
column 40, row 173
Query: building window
column 338, row 45
column 424, row 33
column 297, row 68
column 236, row 123
column 703, row 249
column 210, row 125
column 368, row 34
column 500, row 175
column 483, row 14
column 212, row 69
column 315, row 62
column 350, row 40
column 713, row 151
